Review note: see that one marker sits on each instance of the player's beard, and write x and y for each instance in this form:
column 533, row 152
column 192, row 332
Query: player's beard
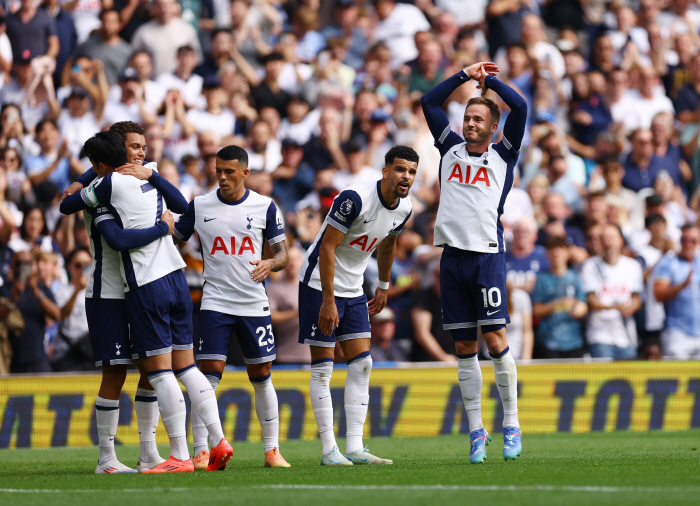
column 481, row 135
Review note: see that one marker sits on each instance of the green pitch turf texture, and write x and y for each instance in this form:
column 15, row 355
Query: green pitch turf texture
column 555, row 469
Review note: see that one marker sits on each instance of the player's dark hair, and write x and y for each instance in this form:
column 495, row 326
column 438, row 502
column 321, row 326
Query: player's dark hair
column 106, row 147
column 404, row 152
column 493, row 107
column 234, row 153
column 127, row 127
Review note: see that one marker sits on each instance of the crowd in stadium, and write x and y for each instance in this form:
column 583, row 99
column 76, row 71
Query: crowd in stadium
column 600, row 222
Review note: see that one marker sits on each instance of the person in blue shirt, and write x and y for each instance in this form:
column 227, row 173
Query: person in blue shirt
column 641, row 165
column 524, row 259
column 559, row 303
column 677, row 284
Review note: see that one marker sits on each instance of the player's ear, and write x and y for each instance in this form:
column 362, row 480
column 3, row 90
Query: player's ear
column 246, row 171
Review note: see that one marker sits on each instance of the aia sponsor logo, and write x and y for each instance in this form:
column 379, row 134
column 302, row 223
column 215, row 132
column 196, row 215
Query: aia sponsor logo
column 469, row 177
column 220, row 246
column 361, row 242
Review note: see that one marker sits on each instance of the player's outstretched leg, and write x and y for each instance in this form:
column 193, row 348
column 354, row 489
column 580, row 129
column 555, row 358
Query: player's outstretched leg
column 147, row 418
column 470, row 383
column 356, row 403
column 171, row 404
column 200, row 434
column 203, row 400
column 507, row 383
column 320, row 392
column 107, row 416
column 268, row 414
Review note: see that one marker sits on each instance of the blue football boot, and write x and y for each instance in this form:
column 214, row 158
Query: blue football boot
column 478, row 440
column 512, row 444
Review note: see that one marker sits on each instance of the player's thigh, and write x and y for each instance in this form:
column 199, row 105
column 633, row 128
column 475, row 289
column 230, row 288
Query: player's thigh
column 215, row 333
column 109, row 331
column 256, row 338
column 457, row 280
column 180, row 312
column 148, row 311
column 490, row 291
column 354, row 326
column 310, row 301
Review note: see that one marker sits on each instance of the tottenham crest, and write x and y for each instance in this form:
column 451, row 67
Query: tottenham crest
column 346, row 207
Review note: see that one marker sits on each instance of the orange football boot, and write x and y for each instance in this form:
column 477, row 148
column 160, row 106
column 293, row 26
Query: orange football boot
column 201, row 461
column 274, row 459
column 173, row 465
column 219, row 456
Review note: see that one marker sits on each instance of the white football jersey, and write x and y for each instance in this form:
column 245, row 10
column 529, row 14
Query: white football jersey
column 106, row 280
column 135, row 204
column 232, row 234
column 362, row 214
column 473, row 190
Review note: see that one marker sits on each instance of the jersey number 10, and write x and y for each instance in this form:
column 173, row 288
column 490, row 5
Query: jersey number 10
column 492, row 297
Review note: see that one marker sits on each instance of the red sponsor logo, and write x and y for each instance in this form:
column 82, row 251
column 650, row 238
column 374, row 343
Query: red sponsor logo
column 220, row 245
column 464, row 175
column 361, row 242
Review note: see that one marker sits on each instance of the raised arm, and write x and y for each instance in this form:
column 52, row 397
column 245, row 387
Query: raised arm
column 432, row 103
column 173, row 197
column 120, row 239
column 514, row 129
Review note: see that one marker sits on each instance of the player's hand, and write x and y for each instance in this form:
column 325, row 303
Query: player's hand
column 170, row 220
column 328, row 318
column 261, row 271
column 479, row 71
column 138, row 171
column 376, row 305
column 73, row 188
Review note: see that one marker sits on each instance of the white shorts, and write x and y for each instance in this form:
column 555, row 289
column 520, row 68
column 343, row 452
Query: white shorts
column 677, row 344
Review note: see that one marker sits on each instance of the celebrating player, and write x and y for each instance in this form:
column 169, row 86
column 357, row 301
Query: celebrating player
column 475, row 178
column 365, row 217
column 233, row 223
column 106, row 308
column 159, row 309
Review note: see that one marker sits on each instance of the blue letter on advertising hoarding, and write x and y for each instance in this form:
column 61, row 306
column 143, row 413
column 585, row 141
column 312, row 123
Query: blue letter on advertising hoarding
column 455, row 405
column 377, row 428
column 624, row 412
column 241, row 399
column 660, row 390
column 20, row 409
column 297, row 406
column 63, row 405
column 694, row 388
column 568, row 391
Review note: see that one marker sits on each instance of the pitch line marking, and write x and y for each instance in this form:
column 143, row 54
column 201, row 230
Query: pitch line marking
column 476, row 488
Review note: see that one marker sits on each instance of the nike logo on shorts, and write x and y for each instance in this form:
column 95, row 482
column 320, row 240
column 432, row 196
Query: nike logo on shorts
column 489, row 313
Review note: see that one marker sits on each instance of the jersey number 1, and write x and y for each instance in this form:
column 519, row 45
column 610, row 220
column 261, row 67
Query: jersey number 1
column 492, row 297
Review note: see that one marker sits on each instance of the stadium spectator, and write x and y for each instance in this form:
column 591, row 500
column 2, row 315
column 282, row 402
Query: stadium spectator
column 107, row 46
column 283, row 294
column 131, row 104
column 36, row 302
column 558, row 303
column 384, row 348
column 676, row 284
column 183, row 79
column 524, row 259
column 557, row 213
column 163, row 35
column 613, row 284
column 345, row 14
column 398, row 23
column 65, row 31
column 432, row 342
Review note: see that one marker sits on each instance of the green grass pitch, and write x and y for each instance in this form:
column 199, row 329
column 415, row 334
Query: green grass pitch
column 555, row 469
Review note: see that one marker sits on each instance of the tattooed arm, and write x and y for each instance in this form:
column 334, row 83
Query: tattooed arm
column 279, row 261
column 385, row 257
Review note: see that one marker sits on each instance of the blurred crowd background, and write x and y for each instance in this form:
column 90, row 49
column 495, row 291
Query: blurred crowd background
column 600, row 224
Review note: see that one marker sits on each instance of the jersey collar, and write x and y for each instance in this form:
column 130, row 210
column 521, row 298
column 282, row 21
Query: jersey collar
column 381, row 198
column 234, row 202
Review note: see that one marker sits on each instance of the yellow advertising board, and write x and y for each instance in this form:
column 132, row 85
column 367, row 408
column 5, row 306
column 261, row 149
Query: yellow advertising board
column 58, row 410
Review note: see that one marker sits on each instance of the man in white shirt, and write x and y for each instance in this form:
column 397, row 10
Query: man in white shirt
column 182, row 79
column 613, row 284
column 215, row 117
column 398, row 24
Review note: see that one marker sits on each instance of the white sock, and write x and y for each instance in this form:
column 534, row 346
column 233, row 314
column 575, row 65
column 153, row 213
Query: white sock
column 320, row 392
column 203, row 400
column 171, row 404
column 470, row 383
column 357, row 400
column 266, row 409
column 107, row 417
column 199, row 431
column 147, row 416
column 507, row 383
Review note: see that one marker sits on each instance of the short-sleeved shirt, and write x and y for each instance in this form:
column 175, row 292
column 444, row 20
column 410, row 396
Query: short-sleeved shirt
column 637, row 179
column 683, row 311
column 612, row 285
column 30, row 40
column 522, row 270
column 558, row 331
column 61, row 174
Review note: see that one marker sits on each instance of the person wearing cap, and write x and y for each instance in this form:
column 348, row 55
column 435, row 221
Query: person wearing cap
column 106, row 45
column 132, row 105
column 268, row 92
column 384, row 348
column 163, row 35
column 215, row 117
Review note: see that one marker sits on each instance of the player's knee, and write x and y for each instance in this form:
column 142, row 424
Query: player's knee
column 212, row 365
column 256, row 371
